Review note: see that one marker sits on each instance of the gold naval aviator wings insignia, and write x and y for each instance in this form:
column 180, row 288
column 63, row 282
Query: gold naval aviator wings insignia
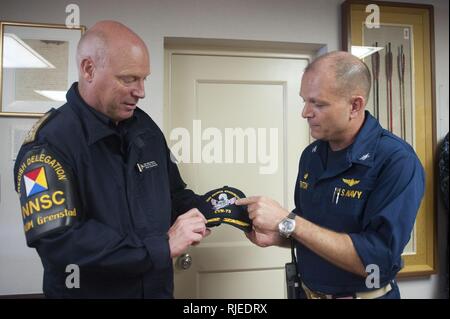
column 350, row 182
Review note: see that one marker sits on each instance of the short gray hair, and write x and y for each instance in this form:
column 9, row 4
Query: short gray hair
column 351, row 74
column 93, row 44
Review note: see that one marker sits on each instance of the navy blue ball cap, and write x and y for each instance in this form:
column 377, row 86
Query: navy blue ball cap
column 218, row 206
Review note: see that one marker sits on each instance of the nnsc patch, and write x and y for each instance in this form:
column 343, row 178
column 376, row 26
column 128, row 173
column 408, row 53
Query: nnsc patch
column 47, row 196
column 218, row 206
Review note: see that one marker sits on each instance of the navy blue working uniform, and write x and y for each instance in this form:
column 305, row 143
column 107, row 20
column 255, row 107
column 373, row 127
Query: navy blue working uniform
column 103, row 197
column 372, row 191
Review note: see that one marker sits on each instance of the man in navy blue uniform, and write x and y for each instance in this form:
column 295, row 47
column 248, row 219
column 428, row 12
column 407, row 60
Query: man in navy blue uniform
column 98, row 190
column 357, row 193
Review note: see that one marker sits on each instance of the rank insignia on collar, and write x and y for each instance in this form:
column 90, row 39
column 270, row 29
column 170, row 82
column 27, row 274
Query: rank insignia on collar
column 350, row 182
column 364, row 157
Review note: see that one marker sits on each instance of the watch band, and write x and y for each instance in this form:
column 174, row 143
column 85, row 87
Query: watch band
column 292, row 215
column 291, row 218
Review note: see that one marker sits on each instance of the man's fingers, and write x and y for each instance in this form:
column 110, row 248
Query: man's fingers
column 196, row 238
column 203, row 234
column 194, row 212
column 252, row 207
column 256, row 229
column 253, row 211
column 247, row 200
column 197, row 225
column 195, row 220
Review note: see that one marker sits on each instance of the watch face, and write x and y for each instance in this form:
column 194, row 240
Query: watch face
column 287, row 225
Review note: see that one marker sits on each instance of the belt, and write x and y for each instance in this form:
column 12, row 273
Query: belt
column 310, row 294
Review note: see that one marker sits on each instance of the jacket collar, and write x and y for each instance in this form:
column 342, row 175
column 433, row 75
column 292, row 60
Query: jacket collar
column 96, row 124
column 366, row 142
column 362, row 151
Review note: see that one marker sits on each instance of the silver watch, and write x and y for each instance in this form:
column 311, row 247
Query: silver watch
column 287, row 225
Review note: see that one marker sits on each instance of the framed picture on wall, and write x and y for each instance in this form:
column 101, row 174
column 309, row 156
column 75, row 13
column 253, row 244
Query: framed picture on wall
column 37, row 64
column 396, row 41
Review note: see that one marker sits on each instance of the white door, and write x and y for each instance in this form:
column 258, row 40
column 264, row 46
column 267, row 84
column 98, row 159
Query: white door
column 216, row 96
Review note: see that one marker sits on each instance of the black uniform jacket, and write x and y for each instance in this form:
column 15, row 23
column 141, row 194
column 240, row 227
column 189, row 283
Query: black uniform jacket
column 101, row 197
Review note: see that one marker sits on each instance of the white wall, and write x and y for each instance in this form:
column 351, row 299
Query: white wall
column 302, row 21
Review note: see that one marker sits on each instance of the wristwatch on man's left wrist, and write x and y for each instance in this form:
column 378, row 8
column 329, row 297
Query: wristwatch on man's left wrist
column 287, row 225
